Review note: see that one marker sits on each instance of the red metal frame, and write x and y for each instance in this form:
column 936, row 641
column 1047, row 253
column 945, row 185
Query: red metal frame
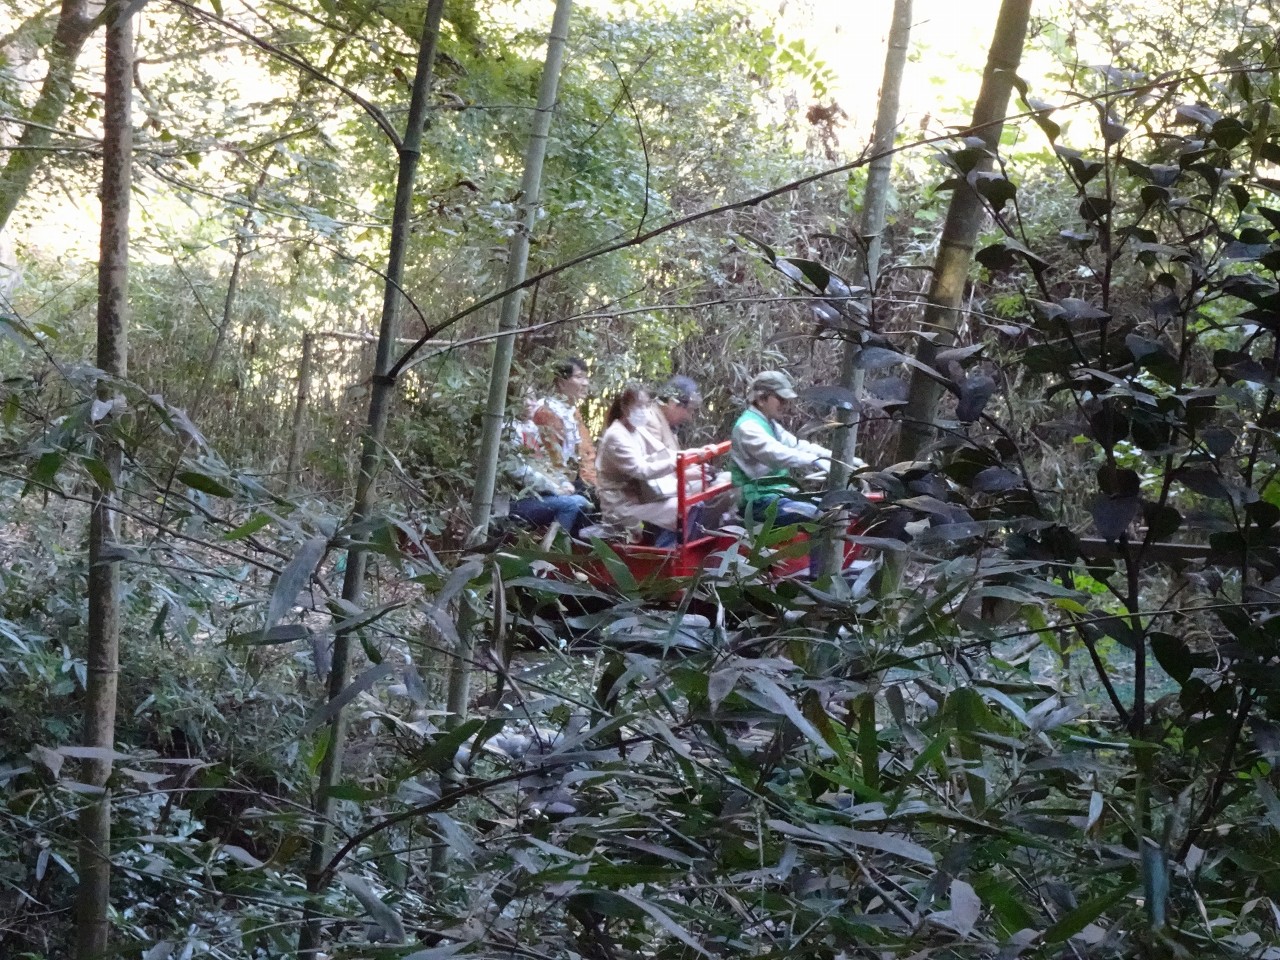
column 689, row 557
column 700, row 458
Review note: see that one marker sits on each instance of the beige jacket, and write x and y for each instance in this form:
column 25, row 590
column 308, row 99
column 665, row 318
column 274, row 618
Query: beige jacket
column 625, row 460
column 659, row 431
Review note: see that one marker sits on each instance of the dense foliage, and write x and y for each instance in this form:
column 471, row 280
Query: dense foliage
column 1052, row 734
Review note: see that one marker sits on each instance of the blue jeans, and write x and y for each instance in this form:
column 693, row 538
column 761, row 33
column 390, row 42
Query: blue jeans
column 789, row 511
column 667, row 539
column 568, row 509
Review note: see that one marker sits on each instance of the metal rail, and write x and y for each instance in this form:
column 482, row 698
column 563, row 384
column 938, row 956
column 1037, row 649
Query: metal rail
column 698, row 457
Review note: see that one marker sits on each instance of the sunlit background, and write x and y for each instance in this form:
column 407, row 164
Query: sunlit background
column 949, row 39
column 949, row 43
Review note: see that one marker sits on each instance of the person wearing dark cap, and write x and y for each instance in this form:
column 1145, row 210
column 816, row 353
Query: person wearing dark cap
column 763, row 454
column 675, row 404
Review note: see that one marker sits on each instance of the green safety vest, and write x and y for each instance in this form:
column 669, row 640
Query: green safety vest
column 774, row 482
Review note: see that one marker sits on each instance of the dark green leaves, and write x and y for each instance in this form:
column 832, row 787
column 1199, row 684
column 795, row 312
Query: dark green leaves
column 622, row 904
column 804, row 272
column 877, row 358
column 1096, row 208
column 996, row 479
column 1151, row 355
column 1162, row 521
column 1071, row 310
column 974, row 391
column 841, row 398
column 205, row 483
column 1042, row 112
column 1005, row 253
column 247, row 529
column 1076, row 920
column 1237, row 365
column 1196, row 115
column 334, row 706
column 994, row 187
column 1084, row 170
column 1117, row 505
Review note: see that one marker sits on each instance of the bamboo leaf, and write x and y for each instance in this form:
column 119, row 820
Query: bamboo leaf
column 363, row 618
column 1095, row 811
column 98, row 470
column 651, row 910
column 1079, row 918
column 204, row 483
column 463, row 574
column 559, row 587
column 292, row 579
column 891, row 843
column 618, row 571
column 438, row 953
column 779, row 700
column 357, row 686
column 966, row 908
column 249, row 527
column 281, row 633
column 382, row 914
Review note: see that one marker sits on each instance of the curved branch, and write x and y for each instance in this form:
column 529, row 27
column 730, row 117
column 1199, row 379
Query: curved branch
column 672, row 225
column 293, row 60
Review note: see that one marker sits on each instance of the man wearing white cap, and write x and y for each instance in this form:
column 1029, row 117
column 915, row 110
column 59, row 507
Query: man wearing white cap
column 764, row 453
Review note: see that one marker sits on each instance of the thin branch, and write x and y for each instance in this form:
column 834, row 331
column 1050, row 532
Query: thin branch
column 5, row 118
column 639, row 239
column 1220, row 780
column 367, row 106
column 644, row 144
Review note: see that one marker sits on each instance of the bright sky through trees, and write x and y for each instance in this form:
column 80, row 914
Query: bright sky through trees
column 850, row 36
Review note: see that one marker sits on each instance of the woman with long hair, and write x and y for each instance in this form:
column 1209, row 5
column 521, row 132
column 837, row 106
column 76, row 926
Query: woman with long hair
column 635, row 474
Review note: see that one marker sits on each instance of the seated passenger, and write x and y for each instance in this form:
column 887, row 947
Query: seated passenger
column 546, row 492
column 678, row 401
column 763, row 454
column 635, row 473
column 568, row 442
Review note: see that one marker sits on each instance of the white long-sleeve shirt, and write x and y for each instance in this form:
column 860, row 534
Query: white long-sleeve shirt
column 761, row 447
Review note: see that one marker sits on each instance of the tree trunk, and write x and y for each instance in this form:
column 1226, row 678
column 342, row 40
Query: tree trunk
column 93, row 895
column 370, row 460
column 75, row 23
column 509, row 318
column 517, row 263
column 874, row 203
column 960, row 231
column 299, row 413
column 875, row 199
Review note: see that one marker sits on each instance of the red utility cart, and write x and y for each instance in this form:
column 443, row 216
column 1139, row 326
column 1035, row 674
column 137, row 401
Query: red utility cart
column 691, row 555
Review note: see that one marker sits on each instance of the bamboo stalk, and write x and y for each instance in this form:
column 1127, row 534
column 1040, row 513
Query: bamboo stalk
column 93, row 896
column 380, row 397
